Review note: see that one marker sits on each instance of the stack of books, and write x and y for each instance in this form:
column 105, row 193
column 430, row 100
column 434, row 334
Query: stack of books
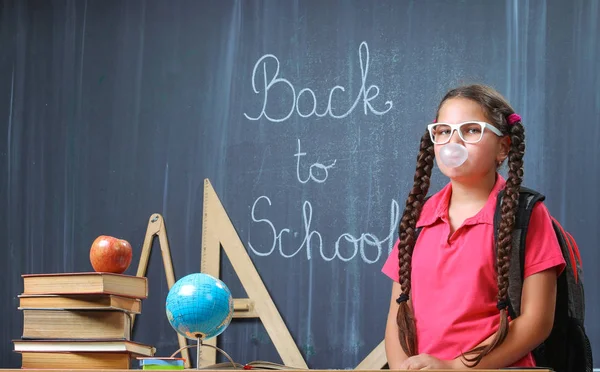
column 80, row 320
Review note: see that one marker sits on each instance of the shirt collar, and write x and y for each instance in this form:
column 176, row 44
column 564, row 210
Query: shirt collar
column 436, row 207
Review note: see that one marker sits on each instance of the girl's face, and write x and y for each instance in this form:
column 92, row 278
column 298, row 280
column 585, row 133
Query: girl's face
column 484, row 155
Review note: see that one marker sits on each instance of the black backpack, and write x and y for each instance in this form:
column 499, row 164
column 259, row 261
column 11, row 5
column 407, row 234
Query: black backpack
column 567, row 349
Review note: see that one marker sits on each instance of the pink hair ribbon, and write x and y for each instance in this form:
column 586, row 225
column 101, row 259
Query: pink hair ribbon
column 513, row 118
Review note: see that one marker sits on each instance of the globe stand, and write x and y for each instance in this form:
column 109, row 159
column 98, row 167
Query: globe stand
column 198, row 350
column 198, row 346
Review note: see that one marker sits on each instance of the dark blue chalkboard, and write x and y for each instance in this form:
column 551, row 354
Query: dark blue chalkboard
column 305, row 116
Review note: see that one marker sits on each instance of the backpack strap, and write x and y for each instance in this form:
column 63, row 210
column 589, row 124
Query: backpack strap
column 527, row 200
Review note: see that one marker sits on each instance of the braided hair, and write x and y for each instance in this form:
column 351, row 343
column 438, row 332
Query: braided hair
column 497, row 110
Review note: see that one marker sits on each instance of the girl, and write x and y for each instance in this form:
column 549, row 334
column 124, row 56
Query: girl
column 448, row 307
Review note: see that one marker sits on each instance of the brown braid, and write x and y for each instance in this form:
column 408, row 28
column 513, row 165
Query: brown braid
column 414, row 205
column 509, row 207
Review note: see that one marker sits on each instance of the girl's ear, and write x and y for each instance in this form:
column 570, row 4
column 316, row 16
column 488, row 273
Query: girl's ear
column 504, row 149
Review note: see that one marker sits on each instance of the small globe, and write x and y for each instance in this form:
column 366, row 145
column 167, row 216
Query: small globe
column 199, row 305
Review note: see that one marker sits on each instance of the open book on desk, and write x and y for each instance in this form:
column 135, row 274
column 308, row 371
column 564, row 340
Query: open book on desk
column 258, row 364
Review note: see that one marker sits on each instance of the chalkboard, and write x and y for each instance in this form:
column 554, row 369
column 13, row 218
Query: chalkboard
column 304, row 115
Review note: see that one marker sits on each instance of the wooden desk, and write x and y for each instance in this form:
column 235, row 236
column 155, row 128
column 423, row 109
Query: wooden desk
column 291, row 370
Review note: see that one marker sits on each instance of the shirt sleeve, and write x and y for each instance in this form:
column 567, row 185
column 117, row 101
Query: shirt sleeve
column 542, row 250
column 391, row 267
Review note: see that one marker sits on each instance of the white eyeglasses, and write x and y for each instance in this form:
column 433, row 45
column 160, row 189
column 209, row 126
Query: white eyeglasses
column 469, row 131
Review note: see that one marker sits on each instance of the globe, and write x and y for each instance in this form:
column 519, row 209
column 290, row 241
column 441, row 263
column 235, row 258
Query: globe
column 199, row 306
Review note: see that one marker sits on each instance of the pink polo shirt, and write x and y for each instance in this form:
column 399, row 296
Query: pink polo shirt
column 454, row 286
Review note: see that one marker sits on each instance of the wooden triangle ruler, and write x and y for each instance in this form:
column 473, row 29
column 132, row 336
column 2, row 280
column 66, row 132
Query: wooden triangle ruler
column 156, row 227
column 217, row 231
column 375, row 360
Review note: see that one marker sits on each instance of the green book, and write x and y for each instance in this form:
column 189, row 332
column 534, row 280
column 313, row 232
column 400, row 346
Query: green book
column 158, row 363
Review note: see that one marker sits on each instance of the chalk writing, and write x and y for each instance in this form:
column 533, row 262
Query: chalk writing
column 311, row 175
column 367, row 246
column 270, row 81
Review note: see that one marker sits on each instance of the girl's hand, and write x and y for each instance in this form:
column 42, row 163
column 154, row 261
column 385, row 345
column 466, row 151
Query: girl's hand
column 425, row 361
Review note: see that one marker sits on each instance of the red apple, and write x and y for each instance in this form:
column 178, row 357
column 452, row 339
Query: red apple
column 110, row 255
